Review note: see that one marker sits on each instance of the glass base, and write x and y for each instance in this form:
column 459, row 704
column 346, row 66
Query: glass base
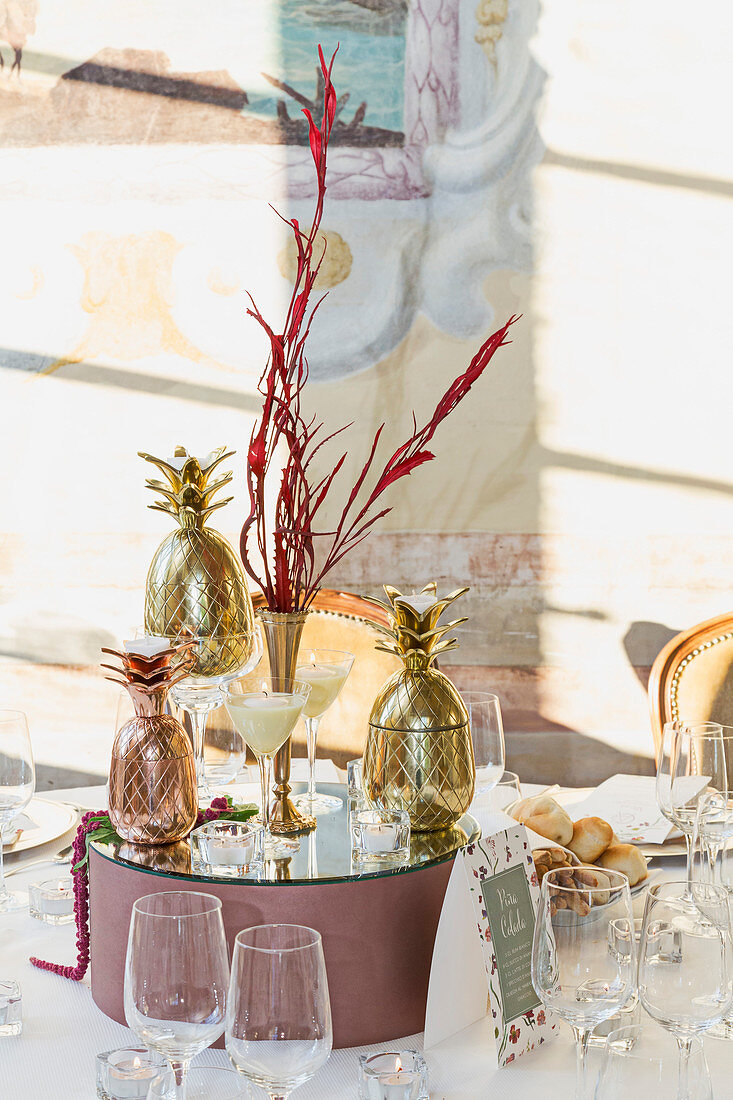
column 13, row 903
column 319, row 804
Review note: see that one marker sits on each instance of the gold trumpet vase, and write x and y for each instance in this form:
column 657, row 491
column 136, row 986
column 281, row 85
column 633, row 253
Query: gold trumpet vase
column 283, row 631
column 418, row 754
column 152, row 776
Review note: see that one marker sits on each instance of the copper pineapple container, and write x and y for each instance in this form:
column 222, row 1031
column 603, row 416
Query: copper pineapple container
column 152, row 778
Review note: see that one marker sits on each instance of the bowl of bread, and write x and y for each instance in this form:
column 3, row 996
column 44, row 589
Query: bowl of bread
column 582, row 850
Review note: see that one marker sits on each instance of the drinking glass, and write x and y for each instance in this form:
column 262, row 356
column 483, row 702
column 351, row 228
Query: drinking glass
column 326, row 672
column 202, row 1084
column 573, row 972
column 713, row 863
column 218, row 659
column 639, row 1061
column 278, row 1030
column 176, row 976
column 487, row 735
column 506, row 791
column 17, row 784
column 685, row 963
column 692, row 761
column 266, row 717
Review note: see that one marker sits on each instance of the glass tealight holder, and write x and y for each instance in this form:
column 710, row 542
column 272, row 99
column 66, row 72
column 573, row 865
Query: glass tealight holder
column 379, row 835
column 127, row 1074
column 227, row 848
column 52, row 901
column 11, row 1009
column 394, row 1075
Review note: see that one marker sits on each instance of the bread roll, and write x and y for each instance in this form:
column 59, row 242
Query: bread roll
column 591, row 836
column 546, row 817
column 625, row 858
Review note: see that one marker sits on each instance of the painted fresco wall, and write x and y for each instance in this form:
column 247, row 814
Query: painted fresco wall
column 490, row 158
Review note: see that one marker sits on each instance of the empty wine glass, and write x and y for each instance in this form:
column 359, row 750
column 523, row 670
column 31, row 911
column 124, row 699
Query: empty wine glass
column 278, row 1031
column 692, row 761
column 507, row 790
column 17, row 784
column 685, row 963
column 713, row 863
column 573, row 972
column 487, row 735
column 176, row 976
column 326, row 671
column 638, row 1060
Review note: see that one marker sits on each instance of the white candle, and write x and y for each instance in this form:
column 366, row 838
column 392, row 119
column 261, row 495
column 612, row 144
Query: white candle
column 57, row 898
column 420, row 602
column 265, row 721
column 129, row 1078
column 150, row 646
column 378, row 838
column 326, row 682
column 397, row 1086
column 221, row 852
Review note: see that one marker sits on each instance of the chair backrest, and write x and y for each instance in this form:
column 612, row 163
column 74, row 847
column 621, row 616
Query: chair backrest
column 692, row 678
column 343, row 620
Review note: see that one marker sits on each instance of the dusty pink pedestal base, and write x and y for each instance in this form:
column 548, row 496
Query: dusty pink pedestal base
column 378, row 937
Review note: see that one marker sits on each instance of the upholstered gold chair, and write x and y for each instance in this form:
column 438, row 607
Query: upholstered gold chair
column 692, row 678
column 342, row 620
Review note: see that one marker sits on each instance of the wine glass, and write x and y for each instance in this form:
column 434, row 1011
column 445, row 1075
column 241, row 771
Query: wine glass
column 507, row 790
column 712, row 863
column 176, row 976
column 17, row 784
column 637, row 1061
column 326, row 672
column 202, row 1084
column 487, row 735
column 685, row 963
column 278, row 1029
column 573, row 972
column 218, row 659
column 266, row 718
column 692, row 760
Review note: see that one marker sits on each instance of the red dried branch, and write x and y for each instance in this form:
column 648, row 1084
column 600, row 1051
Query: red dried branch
column 290, row 577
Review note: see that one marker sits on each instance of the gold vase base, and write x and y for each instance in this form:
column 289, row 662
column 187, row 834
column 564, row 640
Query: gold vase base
column 286, row 821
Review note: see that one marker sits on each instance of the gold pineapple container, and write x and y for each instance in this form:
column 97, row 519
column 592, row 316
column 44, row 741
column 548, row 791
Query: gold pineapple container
column 418, row 755
column 196, row 584
column 152, row 777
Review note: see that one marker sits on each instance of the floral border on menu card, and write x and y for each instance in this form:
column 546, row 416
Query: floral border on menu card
column 486, row 859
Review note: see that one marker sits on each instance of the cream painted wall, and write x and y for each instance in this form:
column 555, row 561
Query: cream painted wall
column 584, row 490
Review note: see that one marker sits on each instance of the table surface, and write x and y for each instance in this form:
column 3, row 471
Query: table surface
column 63, row 1029
column 323, row 855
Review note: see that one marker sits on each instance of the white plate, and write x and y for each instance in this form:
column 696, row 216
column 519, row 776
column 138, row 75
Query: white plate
column 50, row 821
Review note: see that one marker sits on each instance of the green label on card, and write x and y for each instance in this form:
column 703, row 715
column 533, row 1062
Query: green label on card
column 511, row 919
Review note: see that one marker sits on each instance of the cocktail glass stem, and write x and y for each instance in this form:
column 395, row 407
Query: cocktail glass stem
column 311, row 736
column 683, row 1067
column 3, row 888
column 582, row 1035
column 265, row 763
column 690, row 854
column 180, row 1072
column 199, row 718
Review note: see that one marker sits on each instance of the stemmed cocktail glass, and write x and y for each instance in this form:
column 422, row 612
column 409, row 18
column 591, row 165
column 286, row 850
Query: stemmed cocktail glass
column 326, row 671
column 265, row 718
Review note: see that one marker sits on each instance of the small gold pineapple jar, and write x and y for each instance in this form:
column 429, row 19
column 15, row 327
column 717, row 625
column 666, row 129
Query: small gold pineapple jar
column 418, row 755
column 152, row 776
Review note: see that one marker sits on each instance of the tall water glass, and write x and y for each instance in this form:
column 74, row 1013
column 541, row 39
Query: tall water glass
column 692, row 761
column 487, row 735
column 573, row 972
column 639, row 1060
column 278, row 1030
column 713, row 863
column 685, row 963
column 17, row 784
column 176, row 976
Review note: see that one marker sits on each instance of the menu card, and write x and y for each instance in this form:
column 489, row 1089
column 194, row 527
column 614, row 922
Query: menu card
column 483, row 949
column 629, row 804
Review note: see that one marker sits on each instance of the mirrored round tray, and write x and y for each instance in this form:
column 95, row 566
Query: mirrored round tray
column 323, row 855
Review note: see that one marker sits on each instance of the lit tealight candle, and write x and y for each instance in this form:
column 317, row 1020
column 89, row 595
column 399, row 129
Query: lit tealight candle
column 127, row 1074
column 52, row 901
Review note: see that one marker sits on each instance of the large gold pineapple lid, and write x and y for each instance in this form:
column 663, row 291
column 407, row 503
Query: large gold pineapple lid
column 187, row 492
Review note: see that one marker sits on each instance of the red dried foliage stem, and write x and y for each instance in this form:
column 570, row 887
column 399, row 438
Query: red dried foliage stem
column 291, row 575
column 90, row 822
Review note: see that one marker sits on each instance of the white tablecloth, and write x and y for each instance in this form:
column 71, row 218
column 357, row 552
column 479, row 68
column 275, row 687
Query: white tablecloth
column 63, row 1029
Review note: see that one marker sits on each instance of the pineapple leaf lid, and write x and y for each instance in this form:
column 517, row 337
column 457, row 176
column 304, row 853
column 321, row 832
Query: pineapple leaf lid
column 187, row 493
column 415, row 634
